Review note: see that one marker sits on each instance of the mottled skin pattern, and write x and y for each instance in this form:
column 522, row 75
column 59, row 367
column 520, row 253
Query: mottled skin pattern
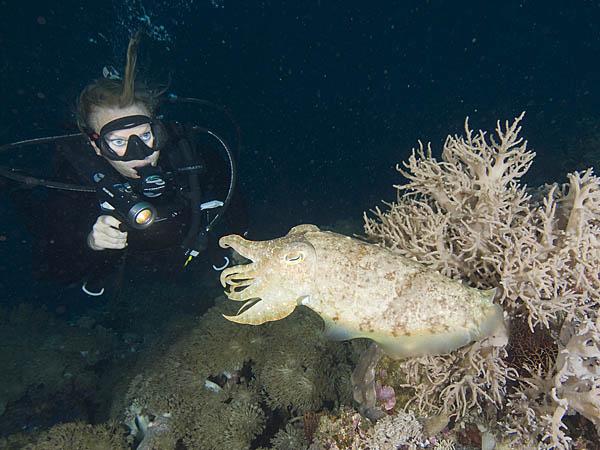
column 360, row 290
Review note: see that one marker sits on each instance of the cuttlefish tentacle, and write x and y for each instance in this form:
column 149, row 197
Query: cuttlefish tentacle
column 240, row 293
column 237, row 284
column 238, row 274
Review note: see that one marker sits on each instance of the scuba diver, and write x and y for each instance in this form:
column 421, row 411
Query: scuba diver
column 134, row 188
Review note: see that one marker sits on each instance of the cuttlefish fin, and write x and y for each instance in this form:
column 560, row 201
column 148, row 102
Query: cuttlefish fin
column 419, row 344
column 337, row 332
column 442, row 343
column 262, row 311
column 303, row 228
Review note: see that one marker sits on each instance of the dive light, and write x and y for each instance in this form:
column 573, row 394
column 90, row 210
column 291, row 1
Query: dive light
column 121, row 201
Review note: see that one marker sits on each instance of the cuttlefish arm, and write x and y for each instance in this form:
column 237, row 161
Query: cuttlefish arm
column 260, row 312
column 250, row 283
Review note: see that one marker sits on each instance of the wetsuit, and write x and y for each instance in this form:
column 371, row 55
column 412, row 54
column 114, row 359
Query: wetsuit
column 61, row 220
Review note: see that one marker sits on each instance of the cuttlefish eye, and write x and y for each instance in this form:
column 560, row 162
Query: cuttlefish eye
column 294, row 257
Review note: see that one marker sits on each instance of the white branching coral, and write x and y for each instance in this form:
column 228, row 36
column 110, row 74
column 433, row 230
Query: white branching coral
column 457, row 383
column 469, row 216
column 348, row 430
column 577, row 378
column 392, row 432
column 538, row 406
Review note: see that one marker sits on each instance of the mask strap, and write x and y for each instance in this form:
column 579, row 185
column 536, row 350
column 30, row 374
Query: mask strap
column 124, row 123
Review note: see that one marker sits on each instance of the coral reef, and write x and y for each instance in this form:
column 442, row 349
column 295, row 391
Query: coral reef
column 47, row 363
column 348, row 430
column 289, row 438
column 469, row 216
column 220, row 383
column 82, row 436
column 345, row 430
column 537, row 407
column 393, row 431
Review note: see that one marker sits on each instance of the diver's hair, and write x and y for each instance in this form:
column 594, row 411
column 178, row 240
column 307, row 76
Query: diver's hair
column 113, row 93
column 128, row 94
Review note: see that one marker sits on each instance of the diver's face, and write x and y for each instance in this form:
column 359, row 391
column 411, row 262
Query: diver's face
column 118, row 139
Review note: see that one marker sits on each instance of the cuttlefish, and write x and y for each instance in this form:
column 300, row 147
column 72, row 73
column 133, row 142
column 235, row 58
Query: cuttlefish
column 360, row 290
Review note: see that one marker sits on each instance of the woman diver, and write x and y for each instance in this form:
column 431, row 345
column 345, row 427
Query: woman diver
column 161, row 187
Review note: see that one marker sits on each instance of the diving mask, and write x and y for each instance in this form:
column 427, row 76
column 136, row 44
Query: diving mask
column 136, row 149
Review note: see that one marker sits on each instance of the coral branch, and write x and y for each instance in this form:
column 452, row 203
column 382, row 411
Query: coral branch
column 468, row 216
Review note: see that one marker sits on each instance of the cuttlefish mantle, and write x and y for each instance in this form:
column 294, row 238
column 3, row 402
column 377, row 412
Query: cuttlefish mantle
column 360, row 290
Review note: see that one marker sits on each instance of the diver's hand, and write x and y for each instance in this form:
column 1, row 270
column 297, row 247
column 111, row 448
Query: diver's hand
column 105, row 234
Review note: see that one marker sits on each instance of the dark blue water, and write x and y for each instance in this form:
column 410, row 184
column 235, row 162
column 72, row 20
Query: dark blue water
column 329, row 95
